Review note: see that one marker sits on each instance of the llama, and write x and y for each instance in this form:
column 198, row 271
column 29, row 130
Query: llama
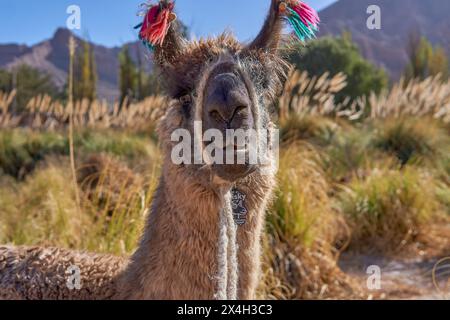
column 191, row 248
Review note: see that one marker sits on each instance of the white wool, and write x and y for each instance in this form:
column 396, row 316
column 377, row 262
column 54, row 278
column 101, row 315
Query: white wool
column 227, row 274
column 232, row 249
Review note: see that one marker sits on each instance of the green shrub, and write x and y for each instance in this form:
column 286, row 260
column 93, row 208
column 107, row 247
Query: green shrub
column 301, row 204
column 21, row 150
column 411, row 139
column 340, row 54
column 317, row 130
column 388, row 209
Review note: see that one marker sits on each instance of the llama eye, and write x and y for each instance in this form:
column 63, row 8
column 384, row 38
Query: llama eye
column 186, row 99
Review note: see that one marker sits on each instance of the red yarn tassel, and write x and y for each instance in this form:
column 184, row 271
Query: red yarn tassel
column 156, row 24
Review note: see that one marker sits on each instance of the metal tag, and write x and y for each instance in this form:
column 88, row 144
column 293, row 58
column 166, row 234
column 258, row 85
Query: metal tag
column 238, row 206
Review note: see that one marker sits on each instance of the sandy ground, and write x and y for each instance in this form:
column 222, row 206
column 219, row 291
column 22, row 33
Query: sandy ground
column 400, row 278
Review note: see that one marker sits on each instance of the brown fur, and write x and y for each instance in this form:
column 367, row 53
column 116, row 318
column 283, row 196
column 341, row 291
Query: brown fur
column 178, row 262
column 42, row 273
column 177, row 255
column 270, row 35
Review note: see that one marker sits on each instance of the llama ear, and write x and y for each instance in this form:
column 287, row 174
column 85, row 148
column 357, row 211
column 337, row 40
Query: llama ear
column 160, row 31
column 303, row 19
column 270, row 34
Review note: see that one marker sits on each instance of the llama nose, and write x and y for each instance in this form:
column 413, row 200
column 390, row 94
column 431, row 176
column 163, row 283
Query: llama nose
column 226, row 98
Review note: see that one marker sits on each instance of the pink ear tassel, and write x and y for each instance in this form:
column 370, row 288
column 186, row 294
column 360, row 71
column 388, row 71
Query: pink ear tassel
column 303, row 19
column 308, row 15
column 156, row 24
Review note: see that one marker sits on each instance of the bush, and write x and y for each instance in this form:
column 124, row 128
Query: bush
column 388, row 209
column 409, row 139
column 301, row 197
column 42, row 210
column 21, row 150
column 336, row 55
column 300, row 257
column 30, row 83
column 314, row 129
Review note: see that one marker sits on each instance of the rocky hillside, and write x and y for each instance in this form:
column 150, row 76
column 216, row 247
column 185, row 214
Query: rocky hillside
column 399, row 19
column 51, row 56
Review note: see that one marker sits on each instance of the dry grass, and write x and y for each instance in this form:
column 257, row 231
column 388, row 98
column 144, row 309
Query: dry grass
column 42, row 210
column 390, row 209
column 430, row 97
column 301, row 254
column 316, row 96
column 412, row 139
column 44, row 113
column 370, row 175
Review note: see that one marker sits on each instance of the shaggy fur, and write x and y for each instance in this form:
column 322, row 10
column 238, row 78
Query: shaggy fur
column 177, row 257
column 38, row 273
column 159, row 269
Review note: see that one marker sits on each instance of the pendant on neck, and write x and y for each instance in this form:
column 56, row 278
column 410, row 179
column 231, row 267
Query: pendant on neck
column 238, row 206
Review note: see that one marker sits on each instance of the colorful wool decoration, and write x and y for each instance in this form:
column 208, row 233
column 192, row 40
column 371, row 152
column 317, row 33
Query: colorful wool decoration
column 156, row 24
column 303, row 19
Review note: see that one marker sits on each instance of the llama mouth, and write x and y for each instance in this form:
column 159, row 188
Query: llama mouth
column 234, row 172
column 236, row 148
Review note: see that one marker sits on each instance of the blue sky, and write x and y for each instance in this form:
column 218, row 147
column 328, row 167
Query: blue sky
column 110, row 22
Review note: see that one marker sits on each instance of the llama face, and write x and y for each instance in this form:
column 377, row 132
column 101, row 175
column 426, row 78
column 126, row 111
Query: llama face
column 219, row 85
column 229, row 95
column 228, row 109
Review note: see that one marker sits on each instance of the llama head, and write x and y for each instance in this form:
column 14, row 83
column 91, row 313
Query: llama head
column 218, row 85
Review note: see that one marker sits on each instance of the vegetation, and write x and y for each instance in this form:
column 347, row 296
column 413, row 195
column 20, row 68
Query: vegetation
column 27, row 83
column 426, row 60
column 128, row 75
column 85, row 73
column 135, row 84
column 363, row 170
column 389, row 208
column 336, row 55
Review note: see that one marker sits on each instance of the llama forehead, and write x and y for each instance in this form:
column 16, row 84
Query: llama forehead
column 196, row 56
column 204, row 49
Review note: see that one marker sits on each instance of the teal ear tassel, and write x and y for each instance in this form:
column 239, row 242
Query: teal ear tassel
column 303, row 19
column 301, row 30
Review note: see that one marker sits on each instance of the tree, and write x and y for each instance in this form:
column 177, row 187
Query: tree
column 424, row 60
column 6, row 83
column 340, row 54
column 28, row 82
column 438, row 63
column 85, row 74
column 147, row 83
column 129, row 77
column 135, row 83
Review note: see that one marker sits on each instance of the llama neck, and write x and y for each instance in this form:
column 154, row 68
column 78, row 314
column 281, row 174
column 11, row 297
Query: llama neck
column 178, row 254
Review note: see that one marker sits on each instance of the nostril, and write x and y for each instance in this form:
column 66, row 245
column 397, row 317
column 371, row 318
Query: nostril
column 239, row 110
column 216, row 116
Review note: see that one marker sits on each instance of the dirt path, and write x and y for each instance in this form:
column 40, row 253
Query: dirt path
column 400, row 279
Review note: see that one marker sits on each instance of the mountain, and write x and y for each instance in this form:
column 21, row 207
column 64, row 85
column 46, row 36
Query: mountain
column 385, row 47
column 52, row 56
column 399, row 20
